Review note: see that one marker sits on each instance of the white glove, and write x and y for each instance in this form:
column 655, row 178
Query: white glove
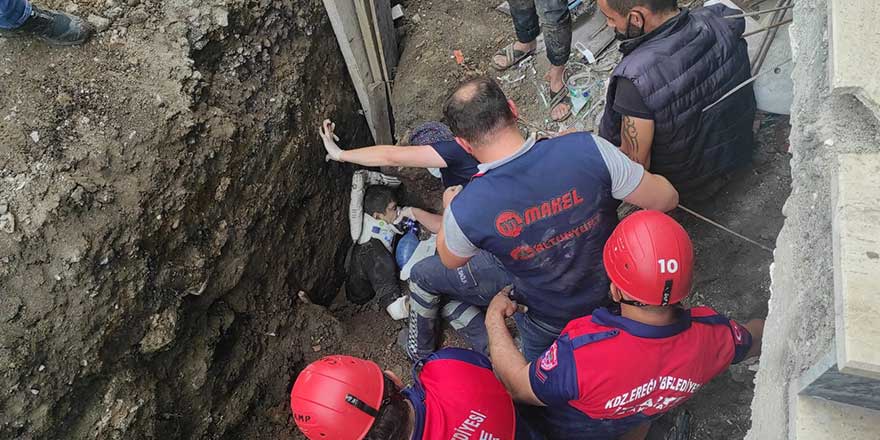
column 407, row 212
column 329, row 138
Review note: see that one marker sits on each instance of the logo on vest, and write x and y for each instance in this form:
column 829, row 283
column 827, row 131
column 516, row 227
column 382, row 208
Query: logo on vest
column 511, row 223
column 527, row 251
column 550, row 360
column 737, row 333
column 469, row 427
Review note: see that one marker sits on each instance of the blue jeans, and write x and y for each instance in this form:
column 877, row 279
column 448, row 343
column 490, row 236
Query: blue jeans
column 531, row 16
column 13, row 13
column 457, row 295
column 536, row 336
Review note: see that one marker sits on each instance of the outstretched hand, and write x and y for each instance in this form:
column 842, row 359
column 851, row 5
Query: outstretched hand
column 329, row 138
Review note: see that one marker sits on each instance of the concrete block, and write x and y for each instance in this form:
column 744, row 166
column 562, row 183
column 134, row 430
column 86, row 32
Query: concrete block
column 856, row 246
column 855, row 50
column 819, row 419
column 825, row 381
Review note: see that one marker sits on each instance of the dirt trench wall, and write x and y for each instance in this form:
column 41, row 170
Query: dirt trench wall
column 170, row 198
column 800, row 325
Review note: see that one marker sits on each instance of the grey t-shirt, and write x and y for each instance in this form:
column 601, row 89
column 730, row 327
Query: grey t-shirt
column 626, row 175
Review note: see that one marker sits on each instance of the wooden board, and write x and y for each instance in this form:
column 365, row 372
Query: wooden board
column 359, row 46
column 388, row 35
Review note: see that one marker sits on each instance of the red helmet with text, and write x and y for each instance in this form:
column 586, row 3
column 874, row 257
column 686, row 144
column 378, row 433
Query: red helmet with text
column 337, row 398
column 650, row 257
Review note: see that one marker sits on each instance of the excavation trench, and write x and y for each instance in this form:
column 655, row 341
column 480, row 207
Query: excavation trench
column 175, row 200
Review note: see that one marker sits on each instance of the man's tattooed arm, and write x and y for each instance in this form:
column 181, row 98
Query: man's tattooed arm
column 631, row 134
column 636, row 138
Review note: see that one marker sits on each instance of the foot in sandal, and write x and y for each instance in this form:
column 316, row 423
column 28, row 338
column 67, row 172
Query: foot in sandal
column 560, row 105
column 512, row 54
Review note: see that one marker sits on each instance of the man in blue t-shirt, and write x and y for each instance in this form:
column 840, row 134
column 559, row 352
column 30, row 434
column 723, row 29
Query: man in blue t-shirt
column 543, row 208
column 433, row 147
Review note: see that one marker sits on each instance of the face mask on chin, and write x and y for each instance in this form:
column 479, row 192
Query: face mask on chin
column 631, row 30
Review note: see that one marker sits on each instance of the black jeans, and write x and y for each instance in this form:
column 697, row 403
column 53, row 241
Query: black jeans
column 531, row 16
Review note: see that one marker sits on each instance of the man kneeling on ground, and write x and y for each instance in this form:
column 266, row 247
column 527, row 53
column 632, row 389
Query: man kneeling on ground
column 536, row 216
column 612, row 373
column 676, row 63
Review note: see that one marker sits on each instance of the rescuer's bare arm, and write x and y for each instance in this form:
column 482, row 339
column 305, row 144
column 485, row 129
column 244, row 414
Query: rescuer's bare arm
column 509, row 364
column 416, row 156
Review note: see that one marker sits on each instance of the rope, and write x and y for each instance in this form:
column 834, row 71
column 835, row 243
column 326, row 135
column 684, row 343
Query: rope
column 724, row 228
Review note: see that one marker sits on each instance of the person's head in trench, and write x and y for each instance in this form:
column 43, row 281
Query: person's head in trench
column 381, row 204
column 347, row 398
column 482, row 118
column 634, row 18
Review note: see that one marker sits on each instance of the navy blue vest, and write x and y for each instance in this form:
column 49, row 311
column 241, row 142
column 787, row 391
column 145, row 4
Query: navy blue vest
column 679, row 69
column 546, row 216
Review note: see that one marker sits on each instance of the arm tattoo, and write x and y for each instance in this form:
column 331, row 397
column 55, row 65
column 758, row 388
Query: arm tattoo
column 632, row 136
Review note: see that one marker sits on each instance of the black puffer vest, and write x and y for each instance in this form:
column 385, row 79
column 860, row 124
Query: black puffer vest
column 679, row 69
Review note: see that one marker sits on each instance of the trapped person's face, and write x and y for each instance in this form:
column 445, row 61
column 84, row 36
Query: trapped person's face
column 391, row 212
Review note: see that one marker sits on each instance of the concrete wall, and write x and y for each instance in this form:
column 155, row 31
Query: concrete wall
column 800, row 325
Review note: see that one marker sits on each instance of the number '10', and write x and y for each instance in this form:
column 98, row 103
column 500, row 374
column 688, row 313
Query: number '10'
column 668, row 266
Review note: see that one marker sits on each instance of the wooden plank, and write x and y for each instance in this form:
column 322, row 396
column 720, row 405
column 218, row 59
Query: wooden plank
column 372, row 44
column 368, row 37
column 387, row 34
column 344, row 19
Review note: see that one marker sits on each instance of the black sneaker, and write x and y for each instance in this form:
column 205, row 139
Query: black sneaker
column 56, row 28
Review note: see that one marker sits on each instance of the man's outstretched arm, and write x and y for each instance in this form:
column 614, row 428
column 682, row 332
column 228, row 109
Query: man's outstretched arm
column 429, row 220
column 418, row 156
column 509, row 364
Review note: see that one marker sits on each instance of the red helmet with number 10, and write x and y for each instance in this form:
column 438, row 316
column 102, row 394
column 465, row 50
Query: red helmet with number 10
column 650, row 257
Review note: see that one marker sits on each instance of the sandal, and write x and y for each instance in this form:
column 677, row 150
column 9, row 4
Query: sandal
column 562, row 97
column 512, row 57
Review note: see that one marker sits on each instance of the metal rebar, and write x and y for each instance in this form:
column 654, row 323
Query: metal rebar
column 767, row 41
column 752, row 14
column 743, row 84
column 772, row 26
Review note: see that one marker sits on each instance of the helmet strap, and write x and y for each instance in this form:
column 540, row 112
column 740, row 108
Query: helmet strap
column 359, row 404
column 630, row 302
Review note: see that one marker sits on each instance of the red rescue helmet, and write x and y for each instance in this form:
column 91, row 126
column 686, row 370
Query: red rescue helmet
column 337, row 398
column 650, row 257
